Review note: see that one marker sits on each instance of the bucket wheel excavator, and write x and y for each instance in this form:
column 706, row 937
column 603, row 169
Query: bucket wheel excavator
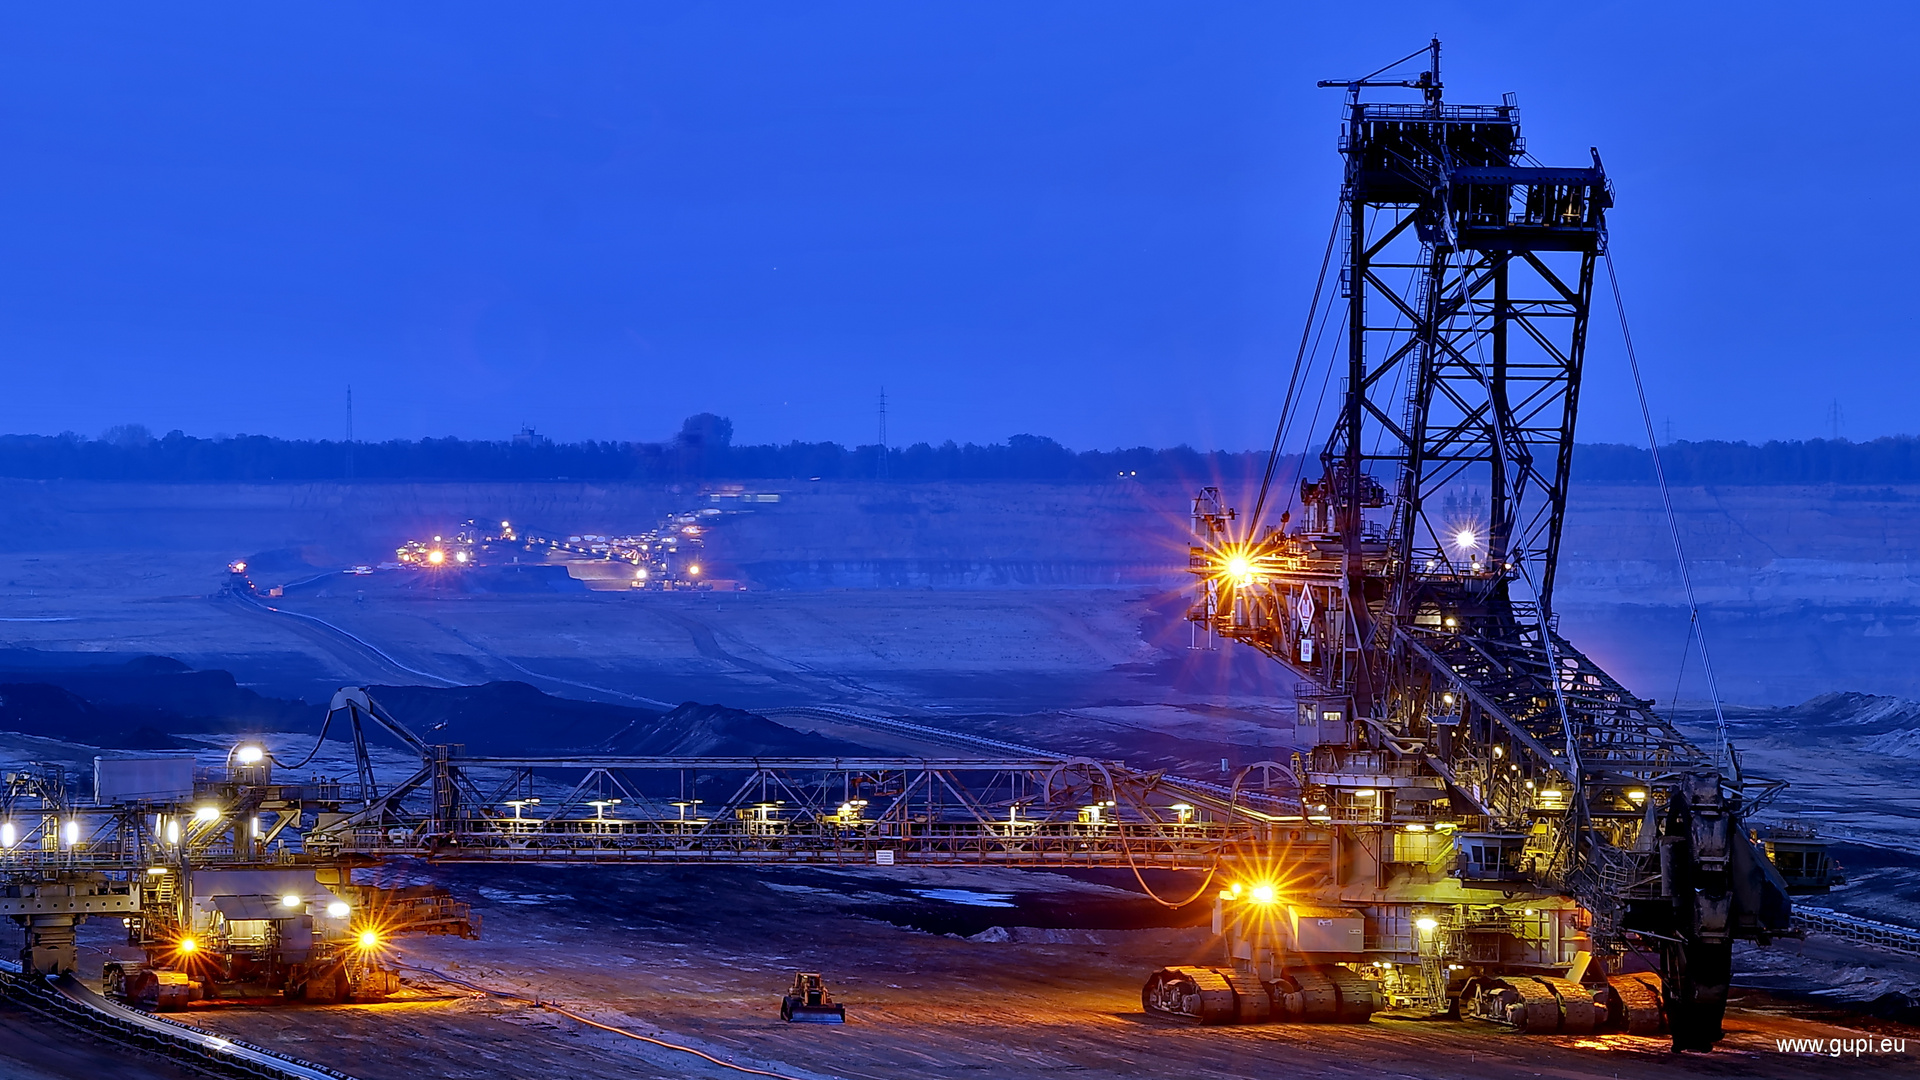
column 1490, row 824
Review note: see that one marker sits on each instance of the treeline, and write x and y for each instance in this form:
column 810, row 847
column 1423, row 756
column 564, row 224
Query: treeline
column 1891, row 460
column 704, row 450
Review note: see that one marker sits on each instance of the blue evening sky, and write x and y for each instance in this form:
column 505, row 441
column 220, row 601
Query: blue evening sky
column 1098, row 221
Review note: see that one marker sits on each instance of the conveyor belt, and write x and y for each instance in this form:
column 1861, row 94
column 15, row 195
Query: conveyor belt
column 1852, row 928
column 905, row 727
column 70, row 1002
column 1259, row 800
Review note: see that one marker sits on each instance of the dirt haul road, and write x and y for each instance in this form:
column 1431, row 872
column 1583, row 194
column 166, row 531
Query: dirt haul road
column 700, row 958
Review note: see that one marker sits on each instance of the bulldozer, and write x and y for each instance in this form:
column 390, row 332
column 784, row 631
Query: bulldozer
column 808, row 1002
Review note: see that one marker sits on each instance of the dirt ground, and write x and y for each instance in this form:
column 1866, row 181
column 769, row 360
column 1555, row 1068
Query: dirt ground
column 1806, row 590
column 699, row 958
column 1081, row 659
column 1042, row 1031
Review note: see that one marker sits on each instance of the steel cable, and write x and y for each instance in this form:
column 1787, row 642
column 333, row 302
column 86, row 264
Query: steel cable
column 1694, row 629
column 1299, row 361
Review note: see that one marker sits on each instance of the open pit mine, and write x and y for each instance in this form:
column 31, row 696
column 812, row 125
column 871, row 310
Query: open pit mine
column 1441, row 839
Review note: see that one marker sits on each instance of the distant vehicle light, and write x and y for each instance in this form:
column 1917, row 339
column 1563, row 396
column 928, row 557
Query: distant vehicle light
column 237, row 566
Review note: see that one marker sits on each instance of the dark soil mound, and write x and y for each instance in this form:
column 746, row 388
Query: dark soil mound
column 505, row 717
column 161, row 692
column 1857, row 714
column 281, row 564
column 54, row 713
column 473, row 580
column 131, row 703
column 528, row 578
column 509, row 718
column 696, row 730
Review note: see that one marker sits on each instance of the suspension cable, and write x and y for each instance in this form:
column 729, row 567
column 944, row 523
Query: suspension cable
column 1313, row 422
column 1694, row 629
column 1299, row 360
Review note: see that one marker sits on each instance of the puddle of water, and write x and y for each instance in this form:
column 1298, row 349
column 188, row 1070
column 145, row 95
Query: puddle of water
column 965, row 896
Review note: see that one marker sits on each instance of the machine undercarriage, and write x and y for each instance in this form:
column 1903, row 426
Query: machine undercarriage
column 204, row 868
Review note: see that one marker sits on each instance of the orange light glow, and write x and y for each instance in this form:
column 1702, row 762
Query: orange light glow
column 186, row 945
column 436, row 556
column 369, row 939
